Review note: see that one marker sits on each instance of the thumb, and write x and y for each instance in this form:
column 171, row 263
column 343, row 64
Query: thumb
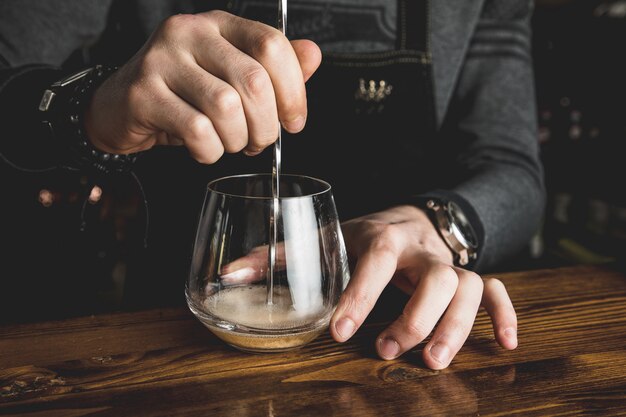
column 309, row 55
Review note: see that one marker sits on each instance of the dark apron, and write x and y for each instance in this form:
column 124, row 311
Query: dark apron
column 371, row 121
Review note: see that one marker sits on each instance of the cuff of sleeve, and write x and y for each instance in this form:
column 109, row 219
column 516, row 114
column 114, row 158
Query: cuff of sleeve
column 469, row 211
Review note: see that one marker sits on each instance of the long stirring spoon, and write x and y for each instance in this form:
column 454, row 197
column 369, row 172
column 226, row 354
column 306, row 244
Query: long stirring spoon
column 282, row 25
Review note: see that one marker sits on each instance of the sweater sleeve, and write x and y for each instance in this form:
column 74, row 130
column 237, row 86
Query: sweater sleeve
column 491, row 129
column 36, row 39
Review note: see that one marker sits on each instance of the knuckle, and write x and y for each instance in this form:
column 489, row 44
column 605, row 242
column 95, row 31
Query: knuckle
column 262, row 141
column 384, row 242
column 234, row 146
column 359, row 303
column 256, row 82
column 174, row 25
column 226, row 101
column 456, row 326
column 149, row 62
column 269, row 45
column 494, row 284
column 197, row 127
column 366, row 226
column 474, row 277
column 364, row 301
column 213, row 156
column 446, row 277
column 413, row 327
column 216, row 15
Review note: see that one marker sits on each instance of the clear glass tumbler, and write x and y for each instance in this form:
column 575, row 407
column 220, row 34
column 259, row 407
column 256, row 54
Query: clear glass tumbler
column 229, row 288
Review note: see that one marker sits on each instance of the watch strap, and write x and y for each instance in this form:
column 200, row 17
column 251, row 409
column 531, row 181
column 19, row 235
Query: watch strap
column 443, row 196
column 64, row 105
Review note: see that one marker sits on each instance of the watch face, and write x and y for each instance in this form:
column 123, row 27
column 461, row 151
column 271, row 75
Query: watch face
column 462, row 225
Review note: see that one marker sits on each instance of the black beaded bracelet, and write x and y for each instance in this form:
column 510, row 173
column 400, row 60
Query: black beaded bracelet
column 74, row 94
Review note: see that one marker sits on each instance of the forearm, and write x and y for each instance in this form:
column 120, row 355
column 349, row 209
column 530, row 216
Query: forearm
column 510, row 205
column 491, row 126
column 30, row 61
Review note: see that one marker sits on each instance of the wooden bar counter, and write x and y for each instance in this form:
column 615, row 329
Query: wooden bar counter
column 571, row 360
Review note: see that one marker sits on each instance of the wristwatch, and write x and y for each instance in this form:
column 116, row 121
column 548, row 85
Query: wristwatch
column 455, row 229
column 63, row 106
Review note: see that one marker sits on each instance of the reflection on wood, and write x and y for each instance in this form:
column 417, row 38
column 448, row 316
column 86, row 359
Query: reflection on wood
column 571, row 361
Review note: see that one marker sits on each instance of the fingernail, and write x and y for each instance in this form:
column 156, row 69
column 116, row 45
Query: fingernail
column 388, row 348
column 242, row 274
column 294, row 125
column 345, row 327
column 249, row 152
column 510, row 333
column 441, row 353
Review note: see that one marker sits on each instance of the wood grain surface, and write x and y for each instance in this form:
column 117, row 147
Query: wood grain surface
column 571, row 361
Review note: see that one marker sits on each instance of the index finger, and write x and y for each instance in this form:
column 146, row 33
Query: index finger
column 372, row 273
column 274, row 52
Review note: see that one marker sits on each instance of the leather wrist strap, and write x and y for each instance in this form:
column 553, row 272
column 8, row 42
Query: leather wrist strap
column 65, row 104
column 441, row 197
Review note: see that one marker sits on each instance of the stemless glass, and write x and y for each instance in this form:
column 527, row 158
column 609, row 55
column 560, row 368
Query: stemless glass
column 229, row 288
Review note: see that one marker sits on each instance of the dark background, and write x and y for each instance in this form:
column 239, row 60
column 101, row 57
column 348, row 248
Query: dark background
column 580, row 68
column 98, row 243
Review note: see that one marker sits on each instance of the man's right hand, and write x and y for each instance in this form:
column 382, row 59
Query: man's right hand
column 212, row 82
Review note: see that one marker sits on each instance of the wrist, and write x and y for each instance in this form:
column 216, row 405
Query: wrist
column 429, row 238
column 455, row 230
column 457, row 223
column 65, row 108
column 96, row 127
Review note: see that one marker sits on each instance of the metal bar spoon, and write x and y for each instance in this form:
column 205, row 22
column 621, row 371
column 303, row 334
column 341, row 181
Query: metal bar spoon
column 282, row 25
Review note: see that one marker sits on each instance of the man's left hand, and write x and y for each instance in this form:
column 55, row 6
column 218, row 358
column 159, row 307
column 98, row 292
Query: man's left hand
column 402, row 246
